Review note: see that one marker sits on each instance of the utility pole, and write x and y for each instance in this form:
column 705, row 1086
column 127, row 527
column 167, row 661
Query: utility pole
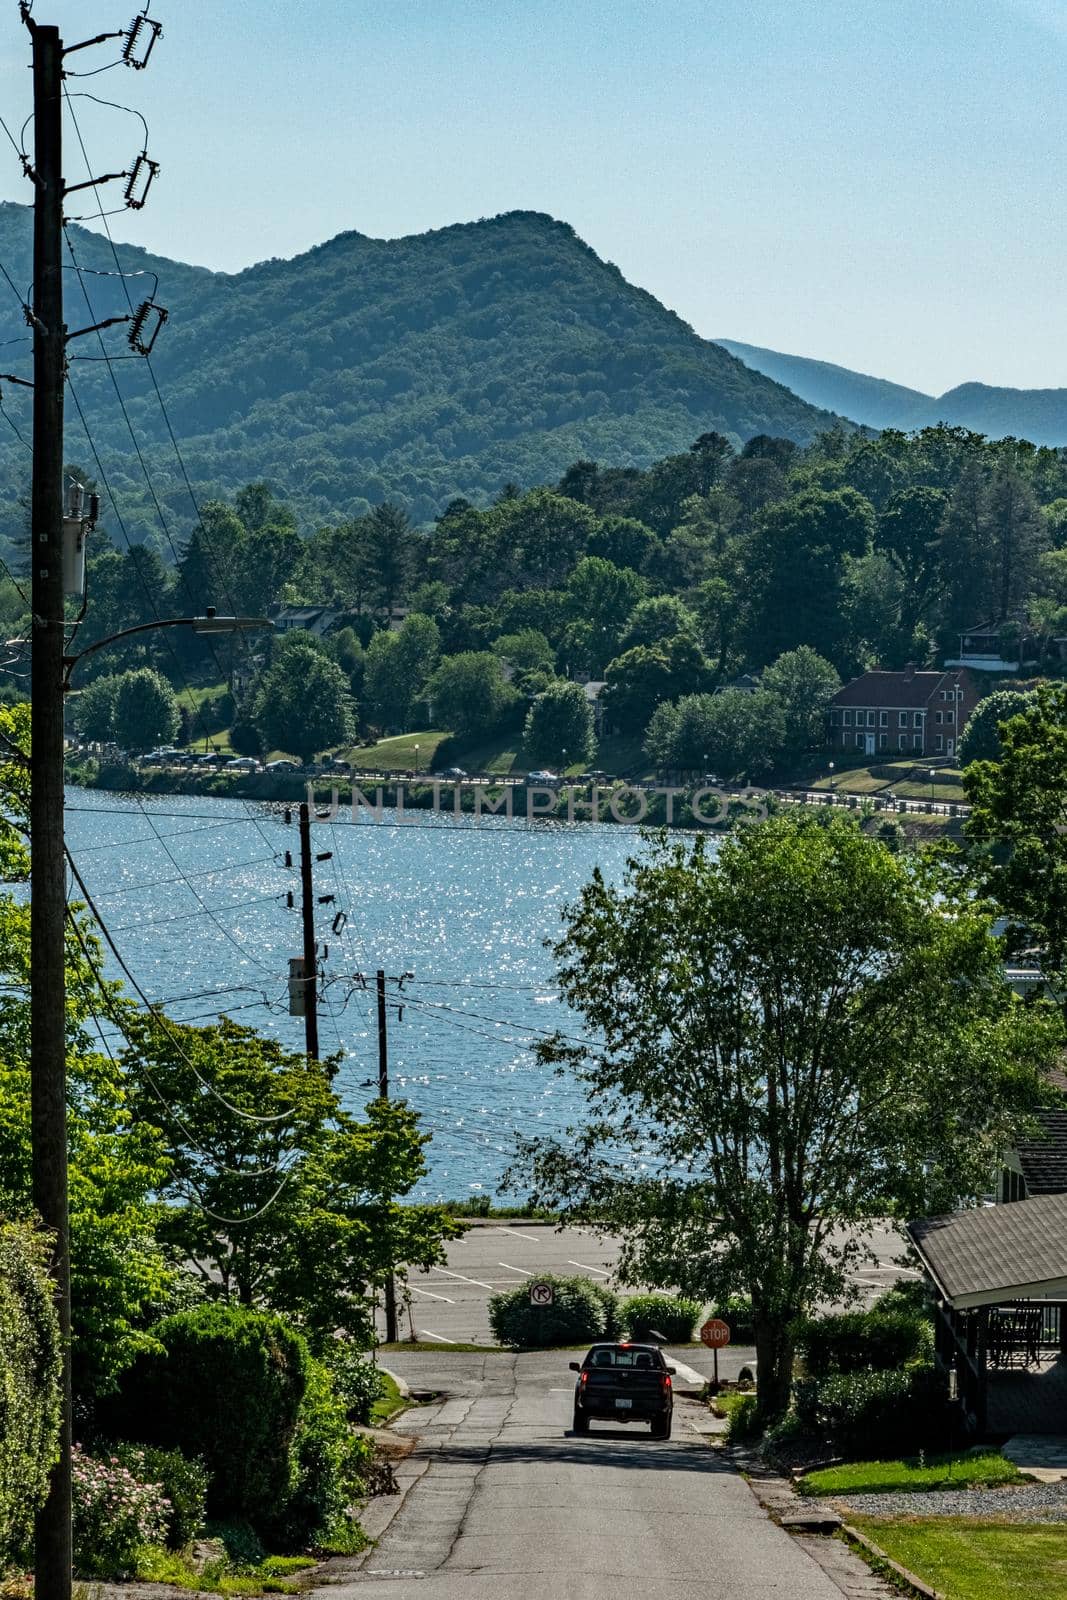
column 391, row 1331
column 48, row 1057
column 307, row 914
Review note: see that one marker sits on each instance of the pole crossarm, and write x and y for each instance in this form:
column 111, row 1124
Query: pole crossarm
column 208, row 624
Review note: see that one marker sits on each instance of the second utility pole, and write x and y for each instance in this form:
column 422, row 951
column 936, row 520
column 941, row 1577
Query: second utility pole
column 48, row 889
column 307, row 914
column 391, row 1331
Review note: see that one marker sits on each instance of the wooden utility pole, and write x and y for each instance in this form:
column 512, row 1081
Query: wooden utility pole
column 48, row 1061
column 391, row 1331
column 307, row 913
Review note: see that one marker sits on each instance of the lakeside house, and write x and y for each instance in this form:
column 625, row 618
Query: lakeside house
column 910, row 712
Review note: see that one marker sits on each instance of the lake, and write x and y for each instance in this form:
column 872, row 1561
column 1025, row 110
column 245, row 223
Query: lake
column 194, row 892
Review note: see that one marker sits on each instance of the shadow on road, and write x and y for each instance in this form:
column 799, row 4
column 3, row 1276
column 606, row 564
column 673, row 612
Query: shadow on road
column 608, row 1447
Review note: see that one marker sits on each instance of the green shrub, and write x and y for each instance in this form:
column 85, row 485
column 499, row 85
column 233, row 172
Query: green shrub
column 183, row 1482
column 875, row 1414
column 328, row 1462
column 116, row 1514
column 29, row 1385
column 908, row 1296
column 613, row 1323
column 736, row 1312
column 673, row 1316
column 742, row 1418
column 227, row 1386
column 579, row 1314
column 858, row 1341
column 356, row 1378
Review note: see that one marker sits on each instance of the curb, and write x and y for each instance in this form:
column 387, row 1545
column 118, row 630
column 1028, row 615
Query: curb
column 405, row 1392
column 869, row 1548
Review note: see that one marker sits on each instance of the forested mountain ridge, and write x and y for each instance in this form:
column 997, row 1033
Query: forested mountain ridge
column 1039, row 415
column 412, row 369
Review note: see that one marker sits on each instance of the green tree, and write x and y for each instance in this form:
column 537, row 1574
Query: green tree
column 387, row 550
column 980, row 740
column 526, row 650
column 30, row 1361
column 646, row 674
column 803, row 684
column 657, row 619
column 598, row 599
column 303, row 704
column 804, row 1041
column 146, row 710
column 94, row 708
column 468, row 692
column 908, row 530
column 278, row 1195
column 559, row 727
column 397, row 667
column 1018, row 825
column 737, row 733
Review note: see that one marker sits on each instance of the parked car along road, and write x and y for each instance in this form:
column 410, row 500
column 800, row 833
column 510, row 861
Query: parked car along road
column 626, row 1383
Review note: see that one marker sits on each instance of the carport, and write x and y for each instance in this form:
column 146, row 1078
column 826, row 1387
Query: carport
column 999, row 1277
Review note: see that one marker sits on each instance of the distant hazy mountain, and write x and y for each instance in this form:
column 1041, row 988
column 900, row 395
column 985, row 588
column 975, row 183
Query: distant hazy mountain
column 1036, row 414
column 418, row 369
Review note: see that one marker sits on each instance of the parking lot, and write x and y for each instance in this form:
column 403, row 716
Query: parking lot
column 449, row 1305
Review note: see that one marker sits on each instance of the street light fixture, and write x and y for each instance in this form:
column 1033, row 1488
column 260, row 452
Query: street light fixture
column 931, row 775
column 210, row 623
column 416, row 761
column 832, row 789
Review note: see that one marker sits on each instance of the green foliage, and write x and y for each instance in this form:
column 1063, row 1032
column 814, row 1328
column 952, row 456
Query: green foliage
column 980, row 740
column 866, row 979
column 743, row 1418
column 29, row 1385
column 357, row 1379
column 671, row 1316
column 183, row 1482
column 869, row 1413
column 328, row 1461
column 855, row 1341
column 577, row 1315
column 736, row 1311
column 94, row 709
column 396, row 669
column 468, row 692
column 736, row 734
column 559, row 727
column 315, row 1248
column 226, row 1384
column 803, row 684
column 303, row 703
column 116, row 1514
column 146, row 710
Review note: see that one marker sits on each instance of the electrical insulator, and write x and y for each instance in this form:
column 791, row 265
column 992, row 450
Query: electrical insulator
column 297, row 986
column 287, row 816
column 140, row 43
column 139, row 181
column 289, row 900
column 138, row 324
column 94, row 510
column 288, row 856
column 75, row 498
column 339, row 922
column 327, row 855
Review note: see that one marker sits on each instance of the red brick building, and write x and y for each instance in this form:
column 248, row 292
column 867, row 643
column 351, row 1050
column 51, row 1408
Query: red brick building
column 903, row 713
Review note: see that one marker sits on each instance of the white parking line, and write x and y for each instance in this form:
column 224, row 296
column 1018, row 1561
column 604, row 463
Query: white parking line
column 425, row 1333
column 519, row 1235
column 515, row 1269
column 464, row 1279
column 416, row 1290
column 587, row 1268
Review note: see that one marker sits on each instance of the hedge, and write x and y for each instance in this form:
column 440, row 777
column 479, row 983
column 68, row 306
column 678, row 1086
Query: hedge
column 581, row 1312
column 858, row 1341
column 672, row 1316
column 875, row 1415
column 29, row 1385
column 227, row 1385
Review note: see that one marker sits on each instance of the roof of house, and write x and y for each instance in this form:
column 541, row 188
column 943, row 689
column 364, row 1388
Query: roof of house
column 896, row 689
column 998, row 1253
column 1044, row 1157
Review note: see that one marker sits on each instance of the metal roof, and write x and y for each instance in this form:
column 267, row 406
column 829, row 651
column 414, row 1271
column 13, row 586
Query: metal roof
column 999, row 1253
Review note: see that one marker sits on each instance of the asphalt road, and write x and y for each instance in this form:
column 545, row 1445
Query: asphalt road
column 503, row 1501
column 450, row 1304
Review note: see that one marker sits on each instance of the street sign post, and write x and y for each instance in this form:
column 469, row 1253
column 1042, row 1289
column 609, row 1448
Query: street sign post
column 541, row 1294
column 715, row 1334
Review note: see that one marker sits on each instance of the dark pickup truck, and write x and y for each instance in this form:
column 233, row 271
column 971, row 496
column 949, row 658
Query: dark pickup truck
column 626, row 1382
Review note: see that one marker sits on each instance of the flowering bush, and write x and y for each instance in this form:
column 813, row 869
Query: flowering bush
column 115, row 1515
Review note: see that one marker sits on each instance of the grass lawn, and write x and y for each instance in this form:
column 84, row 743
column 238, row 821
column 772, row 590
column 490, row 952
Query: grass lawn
column 969, row 1560
column 397, row 753
column 959, row 1470
column 859, row 782
column 946, row 792
column 274, row 1575
column 437, row 1348
column 388, row 1403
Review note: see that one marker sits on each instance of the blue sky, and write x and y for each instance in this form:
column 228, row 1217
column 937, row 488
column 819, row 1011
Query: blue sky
column 877, row 183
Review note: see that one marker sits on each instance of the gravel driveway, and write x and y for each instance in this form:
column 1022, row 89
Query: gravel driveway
column 1025, row 1502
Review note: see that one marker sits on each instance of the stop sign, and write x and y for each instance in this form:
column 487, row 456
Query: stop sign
column 715, row 1333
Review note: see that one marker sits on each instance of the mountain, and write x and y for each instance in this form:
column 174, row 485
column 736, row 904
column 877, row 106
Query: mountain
column 448, row 363
column 1036, row 414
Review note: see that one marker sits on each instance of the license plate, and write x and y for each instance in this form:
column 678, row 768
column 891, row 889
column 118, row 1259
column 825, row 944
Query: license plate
column 624, row 1405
